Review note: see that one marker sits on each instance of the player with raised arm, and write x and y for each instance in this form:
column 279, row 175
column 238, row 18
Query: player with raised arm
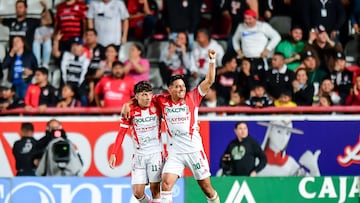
column 147, row 160
column 185, row 148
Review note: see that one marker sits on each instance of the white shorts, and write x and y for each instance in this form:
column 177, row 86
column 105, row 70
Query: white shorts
column 147, row 168
column 195, row 161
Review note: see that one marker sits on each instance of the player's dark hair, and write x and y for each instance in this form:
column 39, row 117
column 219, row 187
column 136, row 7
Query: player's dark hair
column 27, row 127
column 173, row 78
column 142, row 86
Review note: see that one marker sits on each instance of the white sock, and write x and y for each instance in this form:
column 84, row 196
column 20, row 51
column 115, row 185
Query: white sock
column 144, row 199
column 214, row 199
column 155, row 201
column 166, row 196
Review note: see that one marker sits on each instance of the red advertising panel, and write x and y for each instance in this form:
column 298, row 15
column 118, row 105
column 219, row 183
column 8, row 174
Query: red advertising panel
column 93, row 139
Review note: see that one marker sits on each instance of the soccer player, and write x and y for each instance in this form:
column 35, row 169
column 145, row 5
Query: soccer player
column 185, row 148
column 147, row 161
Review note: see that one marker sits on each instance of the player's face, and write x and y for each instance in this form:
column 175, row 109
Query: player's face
column 279, row 138
column 177, row 90
column 144, row 98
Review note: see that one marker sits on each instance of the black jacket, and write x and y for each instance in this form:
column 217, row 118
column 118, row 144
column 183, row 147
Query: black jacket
column 243, row 156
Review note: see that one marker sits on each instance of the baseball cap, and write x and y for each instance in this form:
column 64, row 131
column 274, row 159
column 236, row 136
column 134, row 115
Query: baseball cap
column 250, row 12
column 77, row 40
column 339, row 55
column 307, row 53
column 321, row 28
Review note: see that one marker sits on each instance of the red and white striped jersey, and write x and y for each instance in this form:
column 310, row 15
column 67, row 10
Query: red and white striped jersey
column 181, row 120
column 145, row 129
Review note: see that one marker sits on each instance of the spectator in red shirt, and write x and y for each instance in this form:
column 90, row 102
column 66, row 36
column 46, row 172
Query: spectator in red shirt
column 70, row 20
column 354, row 96
column 115, row 89
column 142, row 18
column 41, row 94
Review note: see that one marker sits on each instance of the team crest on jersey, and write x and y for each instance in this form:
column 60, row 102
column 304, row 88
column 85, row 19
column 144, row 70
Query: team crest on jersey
column 46, row 92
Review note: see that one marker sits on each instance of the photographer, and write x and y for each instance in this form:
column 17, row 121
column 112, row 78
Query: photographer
column 60, row 157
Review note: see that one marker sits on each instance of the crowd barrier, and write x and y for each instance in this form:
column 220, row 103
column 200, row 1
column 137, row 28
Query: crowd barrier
column 228, row 109
column 328, row 189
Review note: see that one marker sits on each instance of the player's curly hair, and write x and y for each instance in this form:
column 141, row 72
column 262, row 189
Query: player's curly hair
column 143, row 86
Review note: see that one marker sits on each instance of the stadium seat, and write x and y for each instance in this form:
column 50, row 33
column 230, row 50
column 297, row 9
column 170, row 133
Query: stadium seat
column 7, row 8
column 35, row 8
column 282, row 24
column 154, row 49
column 4, row 40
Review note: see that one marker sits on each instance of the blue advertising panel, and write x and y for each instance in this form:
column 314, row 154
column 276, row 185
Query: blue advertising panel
column 74, row 190
column 329, row 147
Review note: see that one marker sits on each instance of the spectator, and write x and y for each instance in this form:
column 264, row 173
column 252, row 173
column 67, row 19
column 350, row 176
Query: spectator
column 41, row 94
column 199, row 55
column 42, row 44
column 105, row 65
column 142, row 18
column 74, row 65
column 95, row 51
column 324, row 100
column 110, row 19
column 25, row 151
column 354, row 97
column 331, row 14
column 21, row 64
column 241, row 155
column 226, row 75
column 327, row 88
column 115, row 89
column 182, row 16
column 22, row 25
column 355, row 17
column 137, row 67
column 176, row 59
column 70, row 21
column 341, row 77
column 285, row 100
column 302, row 89
column 246, row 79
column 315, row 75
column 9, row 99
column 236, row 99
column 292, row 48
column 211, row 99
column 325, row 47
column 234, row 9
column 68, row 98
column 259, row 98
column 278, row 78
column 255, row 40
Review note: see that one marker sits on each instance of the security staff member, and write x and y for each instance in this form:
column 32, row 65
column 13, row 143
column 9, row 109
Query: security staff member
column 25, row 151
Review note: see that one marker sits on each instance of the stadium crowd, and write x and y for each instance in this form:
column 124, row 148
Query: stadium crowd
column 269, row 53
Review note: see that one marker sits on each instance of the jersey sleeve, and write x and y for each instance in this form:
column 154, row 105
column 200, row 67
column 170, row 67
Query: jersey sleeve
column 196, row 95
column 99, row 87
column 124, row 125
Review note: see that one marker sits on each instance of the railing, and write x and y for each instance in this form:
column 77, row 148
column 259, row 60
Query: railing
column 233, row 110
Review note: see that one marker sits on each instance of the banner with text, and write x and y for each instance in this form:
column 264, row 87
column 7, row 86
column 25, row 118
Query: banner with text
column 74, row 190
column 94, row 140
column 278, row 190
column 323, row 148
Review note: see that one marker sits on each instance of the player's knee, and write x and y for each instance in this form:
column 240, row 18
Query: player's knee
column 166, row 185
column 138, row 193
